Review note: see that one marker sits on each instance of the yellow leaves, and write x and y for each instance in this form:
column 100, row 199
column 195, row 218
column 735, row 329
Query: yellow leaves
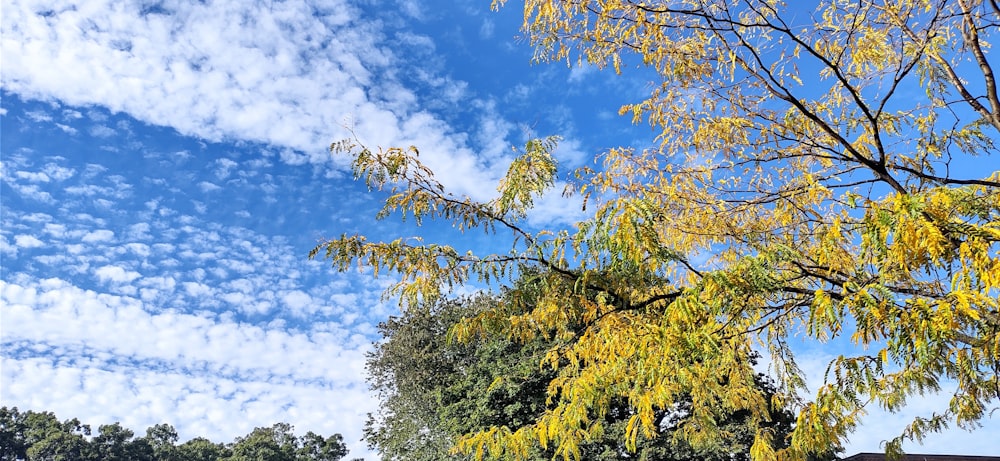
column 632, row 432
column 823, row 316
column 528, row 176
column 721, row 133
column 763, row 207
column 939, row 228
column 495, row 441
column 762, row 447
column 873, row 51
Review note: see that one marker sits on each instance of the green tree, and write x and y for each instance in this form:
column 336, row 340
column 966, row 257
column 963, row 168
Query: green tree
column 35, row 436
column 47, row 439
column 313, row 447
column 275, row 443
column 420, row 378
column 279, row 443
column 202, row 449
column 434, row 390
column 13, row 445
column 807, row 174
column 114, row 442
column 162, row 438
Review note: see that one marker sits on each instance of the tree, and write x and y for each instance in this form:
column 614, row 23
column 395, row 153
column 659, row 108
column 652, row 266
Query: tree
column 45, row 438
column 279, row 443
column 275, row 443
column 405, row 371
column 39, row 436
column 12, row 434
column 433, row 390
column 117, row 443
column 202, row 449
column 808, row 174
column 162, row 438
column 315, row 448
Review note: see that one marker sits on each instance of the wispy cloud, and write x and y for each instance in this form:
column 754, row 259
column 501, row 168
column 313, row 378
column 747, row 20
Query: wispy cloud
column 126, row 305
column 203, row 404
column 235, row 70
column 27, row 241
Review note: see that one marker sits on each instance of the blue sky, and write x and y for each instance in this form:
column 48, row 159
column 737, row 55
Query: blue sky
column 165, row 172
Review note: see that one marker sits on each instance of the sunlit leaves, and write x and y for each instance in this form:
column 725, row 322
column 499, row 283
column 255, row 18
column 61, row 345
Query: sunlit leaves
column 425, row 269
column 832, row 175
column 529, row 176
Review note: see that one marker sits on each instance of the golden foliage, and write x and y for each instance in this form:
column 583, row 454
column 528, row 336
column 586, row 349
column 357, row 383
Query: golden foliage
column 824, row 178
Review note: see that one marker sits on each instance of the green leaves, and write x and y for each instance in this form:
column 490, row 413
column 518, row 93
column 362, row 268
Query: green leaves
column 34, row 436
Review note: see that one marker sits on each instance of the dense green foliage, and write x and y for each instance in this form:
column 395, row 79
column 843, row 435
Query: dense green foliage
column 434, row 389
column 40, row 436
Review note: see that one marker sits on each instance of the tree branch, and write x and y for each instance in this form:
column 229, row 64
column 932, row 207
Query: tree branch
column 971, row 36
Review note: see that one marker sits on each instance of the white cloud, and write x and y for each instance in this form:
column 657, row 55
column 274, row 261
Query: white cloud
column 289, row 78
column 239, row 266
column 32, row 191
column 553, row 207
column 224, row 167
column 36, row 218
column 57, row 172
column 227, row 365
column 38, row 116
column 298, row 301
column 101, row 131
column 66, row 129
column 27, row 241
column 87, row 190
column 32, row 176
column 162, row 283
column 486, row 29
column 226, row 407
column 580, row 73
column 115, row 274
column 202, row 68
column 6, row 248
column 101, row 235
column 197, row 290
column 206, row 186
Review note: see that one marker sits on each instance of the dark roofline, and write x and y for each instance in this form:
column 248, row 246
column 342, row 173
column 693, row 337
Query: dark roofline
column 920, row 457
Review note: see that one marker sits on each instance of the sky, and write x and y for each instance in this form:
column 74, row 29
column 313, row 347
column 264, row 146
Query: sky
column 165, row 171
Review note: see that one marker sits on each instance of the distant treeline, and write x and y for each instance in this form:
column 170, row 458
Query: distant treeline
column 36, row 436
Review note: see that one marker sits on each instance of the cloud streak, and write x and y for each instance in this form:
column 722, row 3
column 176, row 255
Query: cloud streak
column 216, row 70
column 287, row 76
column 122, row 303
column 56, row 315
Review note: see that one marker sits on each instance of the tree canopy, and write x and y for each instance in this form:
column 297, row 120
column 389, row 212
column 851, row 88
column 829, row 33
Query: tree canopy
column 432, row 390
column 40, row 436
column 827, row 174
